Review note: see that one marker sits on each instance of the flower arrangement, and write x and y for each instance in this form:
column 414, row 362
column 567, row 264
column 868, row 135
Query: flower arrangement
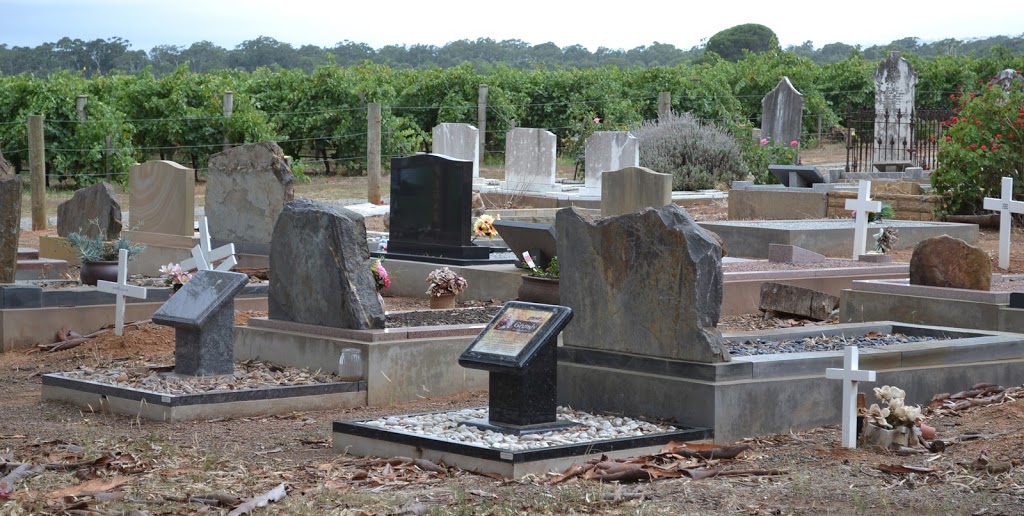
column 895, row 413
column 444, row 281
column 380, row 274
column 174, row 276
column 551, row 272
column 484, row 226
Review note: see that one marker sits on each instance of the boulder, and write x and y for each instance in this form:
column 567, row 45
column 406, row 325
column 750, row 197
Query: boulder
column 645, row 283
column 246, row 189
column 321, row 268
column 95, row 203
column 944, row 261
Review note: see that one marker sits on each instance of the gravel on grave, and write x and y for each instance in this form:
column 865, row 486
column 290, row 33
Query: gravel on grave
column 473, row 315
column 449, row 426
column 821, row 343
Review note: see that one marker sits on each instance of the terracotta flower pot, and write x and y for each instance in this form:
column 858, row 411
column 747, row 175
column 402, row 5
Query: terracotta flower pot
column 927, row 431
column 442, row 301
column 93, row 271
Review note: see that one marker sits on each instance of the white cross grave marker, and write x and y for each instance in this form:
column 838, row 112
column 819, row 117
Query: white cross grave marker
column 121, row 289
column 203, row 256
column 862, row 205
column 850, row 375
column 1005, row 205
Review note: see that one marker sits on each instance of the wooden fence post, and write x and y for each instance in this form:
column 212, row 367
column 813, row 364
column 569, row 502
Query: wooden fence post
column 373, row 121
column 481, row 118
column 37, row 171
column 229, row 106
column 80, row 102
column 664, row 105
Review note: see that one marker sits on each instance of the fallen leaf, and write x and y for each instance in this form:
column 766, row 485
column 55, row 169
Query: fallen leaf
column 95, row 486
column 902, row 469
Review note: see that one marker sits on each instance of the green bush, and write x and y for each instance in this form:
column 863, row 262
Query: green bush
column 984, row 142
column 758, row 155
column 699, row 155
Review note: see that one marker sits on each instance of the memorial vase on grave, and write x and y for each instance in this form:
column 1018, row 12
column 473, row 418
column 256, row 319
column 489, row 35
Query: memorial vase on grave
column 91, row 272
column 442, row 301
column 540, row 290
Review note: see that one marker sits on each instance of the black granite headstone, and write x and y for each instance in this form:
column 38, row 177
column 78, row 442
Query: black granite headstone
column 1016, row 299
column 537, row 238
column 203, row 316
column 519, row 349
column 431, row 209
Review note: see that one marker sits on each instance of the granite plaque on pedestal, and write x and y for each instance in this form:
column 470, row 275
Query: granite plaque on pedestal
column 431, row 209
column 796, row 176
column 203, row 316
column 537, row 238
column 519, row 349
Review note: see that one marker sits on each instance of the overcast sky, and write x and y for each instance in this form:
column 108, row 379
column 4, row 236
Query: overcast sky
column 593, row 23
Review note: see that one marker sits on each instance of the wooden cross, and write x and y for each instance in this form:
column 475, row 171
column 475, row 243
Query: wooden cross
column 850, row 375
column 862, row 206
column 121, row 288
column 1006, row 206
column 203, row 256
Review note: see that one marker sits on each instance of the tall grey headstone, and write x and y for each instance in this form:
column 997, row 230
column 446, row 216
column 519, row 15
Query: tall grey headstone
column 246, row 189
column 202, row 314
column 607, row 151
column 94, row 203
column 1006, row 79
column 634, row 188
column 10, row 226
column 322, row 268
column 646, row 283
column 530, row 160
column 782, row 112
column 161, row 195
column 895, row 86
column 459, row 141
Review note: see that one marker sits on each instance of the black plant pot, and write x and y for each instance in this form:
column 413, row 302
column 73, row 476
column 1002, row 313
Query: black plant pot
column 93, row 271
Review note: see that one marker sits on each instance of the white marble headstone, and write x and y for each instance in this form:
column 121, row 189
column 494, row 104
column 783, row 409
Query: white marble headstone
column 459, row 141
column 895, row 84
column 608, row 151
column 530, row 160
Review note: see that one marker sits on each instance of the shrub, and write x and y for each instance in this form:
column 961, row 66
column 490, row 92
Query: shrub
column 699, row 155
column 984, row 142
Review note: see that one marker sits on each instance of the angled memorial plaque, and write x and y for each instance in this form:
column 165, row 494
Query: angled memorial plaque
column 537, row 238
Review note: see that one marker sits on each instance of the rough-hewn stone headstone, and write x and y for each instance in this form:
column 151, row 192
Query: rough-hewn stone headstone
column 96, row 202
column 799, row 301
column 895, row 85
column 10, row 226
column 647, row 283
column 944, row 261
column 633, row 188
column 322, row 268
column 162, row 195
column 607, row 151
column 246, row 189
column 1006, row 79
column 782, row 112
column 459, row 141
column 5, row 166
column 530, row 160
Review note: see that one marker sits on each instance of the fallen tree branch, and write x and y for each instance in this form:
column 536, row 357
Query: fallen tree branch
column 274, row 495
column 21, row 472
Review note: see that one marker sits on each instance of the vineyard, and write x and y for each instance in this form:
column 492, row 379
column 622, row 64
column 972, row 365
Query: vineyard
column 320, row 118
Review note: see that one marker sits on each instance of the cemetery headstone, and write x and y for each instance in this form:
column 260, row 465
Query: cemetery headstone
column 246, row 189
column 94, row 203
column 322, row 268
column 944, row 261
column 1007, row 78
column 1006, row 206
column 782, row 253
column 850, row 375
column 161, row 195
column 534, row 237
column 121, row 288
column 862, row 206
column 634, row 188
column 797, row 176
column 202, row 314
column 518, row 347
column 654, row 269
column 459, row 141
column 6, row 169
column 895, row 85
column 530, row 160
column 10, row 226
column 782, row 113
column 431, row 199
column 606, row 151
column 204, row 256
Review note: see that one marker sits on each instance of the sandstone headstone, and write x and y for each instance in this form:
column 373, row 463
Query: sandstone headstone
column 647, row 283
column 10, row 226
column 944, row 261
column 530, row 160
column 634, row 188
column 322, row 268
column 246, row 189
column 94, row 203
column 161, row 195
column 895, row 84
column 798, row 301
column 782, row 112
column 607, row 151
column 459, row 141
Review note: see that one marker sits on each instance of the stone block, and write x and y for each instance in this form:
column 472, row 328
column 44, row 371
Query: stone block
column 944, row 261
column 799, row 301
column 246, row 189
column 96, row 203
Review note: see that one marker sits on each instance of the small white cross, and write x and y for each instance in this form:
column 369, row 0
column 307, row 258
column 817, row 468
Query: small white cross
column 203, row 257
column 862, row 205
column 850, row 376
column 1005, row 205
column 121, row 289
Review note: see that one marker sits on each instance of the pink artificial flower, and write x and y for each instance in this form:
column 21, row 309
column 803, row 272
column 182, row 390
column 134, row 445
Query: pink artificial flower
column 794, row 143
column 764, row 141
column 383, row 274
column 597, row 120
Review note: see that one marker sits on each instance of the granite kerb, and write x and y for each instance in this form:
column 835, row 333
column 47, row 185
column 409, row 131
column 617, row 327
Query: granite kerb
column 384, row 335
column 30, row 296
column 903, row 287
